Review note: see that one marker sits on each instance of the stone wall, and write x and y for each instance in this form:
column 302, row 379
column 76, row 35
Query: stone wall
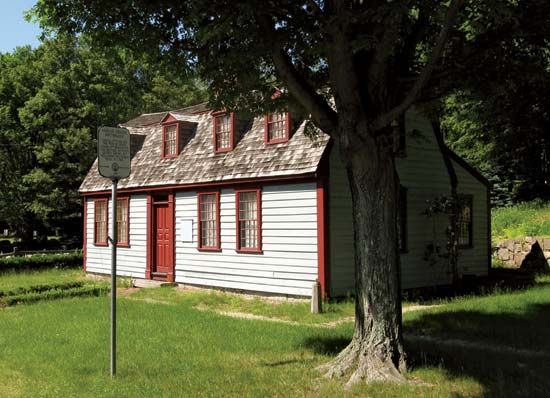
column 526, row 253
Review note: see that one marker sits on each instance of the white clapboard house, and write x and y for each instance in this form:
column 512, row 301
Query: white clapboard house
column 258, row 205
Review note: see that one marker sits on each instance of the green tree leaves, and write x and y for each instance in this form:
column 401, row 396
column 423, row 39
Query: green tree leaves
column 52, row 100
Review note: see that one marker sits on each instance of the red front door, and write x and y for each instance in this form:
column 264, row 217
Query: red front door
column 163, row 262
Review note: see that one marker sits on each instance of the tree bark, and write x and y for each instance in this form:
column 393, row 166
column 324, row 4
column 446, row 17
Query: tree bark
column 376, row 350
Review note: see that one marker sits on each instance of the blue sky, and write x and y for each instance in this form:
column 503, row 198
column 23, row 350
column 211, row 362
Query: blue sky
column 14, row 30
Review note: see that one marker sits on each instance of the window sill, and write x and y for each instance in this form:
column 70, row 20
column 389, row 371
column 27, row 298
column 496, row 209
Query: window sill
column 209, row 249
column 123, row 245
column 250, row 251
column 225, row 150
column 275, row 142
column 101, row 244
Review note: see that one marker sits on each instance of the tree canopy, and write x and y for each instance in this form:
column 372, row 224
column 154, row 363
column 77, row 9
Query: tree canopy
column 52, row 99
column 355, row 67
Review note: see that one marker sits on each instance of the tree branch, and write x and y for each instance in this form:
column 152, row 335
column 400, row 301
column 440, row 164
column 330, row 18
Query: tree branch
column 385, row 119
column 315, row 9
column 323, row 115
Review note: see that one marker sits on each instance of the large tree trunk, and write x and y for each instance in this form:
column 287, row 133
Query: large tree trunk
column 376, row 350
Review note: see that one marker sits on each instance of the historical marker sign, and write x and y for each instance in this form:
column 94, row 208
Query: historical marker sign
column 113, row 152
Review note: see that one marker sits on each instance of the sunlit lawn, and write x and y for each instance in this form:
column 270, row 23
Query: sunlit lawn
column 169, row 348
column 13, row 279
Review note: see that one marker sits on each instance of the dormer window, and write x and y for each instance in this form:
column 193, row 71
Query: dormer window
column 224, row 131
column 277, row 127
column 170, row 140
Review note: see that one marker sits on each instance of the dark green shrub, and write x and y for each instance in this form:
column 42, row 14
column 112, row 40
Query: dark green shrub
column 41, row 261
column 40, row 288
column 55, row 294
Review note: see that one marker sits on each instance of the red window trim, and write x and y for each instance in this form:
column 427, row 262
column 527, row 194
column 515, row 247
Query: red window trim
column 288, row 122
column 127, row 205
column 217, row 247
column 215, row 115
column 178, row 127
column 258, row 248
column 96, row 242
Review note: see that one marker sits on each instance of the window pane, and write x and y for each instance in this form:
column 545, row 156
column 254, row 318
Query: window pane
column 170, row 140
column 276, row 126
column 101, row 221
column 464, row 223
column 208, row 220
column 122, row 220
column 248, row 220
column 223, row 131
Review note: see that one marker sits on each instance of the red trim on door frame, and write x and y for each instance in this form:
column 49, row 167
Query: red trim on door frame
column 84, row 232
column 238, row 248
column 170, row 277
column 149, row 246
column 323, row 269
column 217, row 247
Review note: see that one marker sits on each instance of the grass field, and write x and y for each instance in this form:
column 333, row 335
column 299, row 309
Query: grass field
column 13, row 279
column 175, row 344
column 524, row 219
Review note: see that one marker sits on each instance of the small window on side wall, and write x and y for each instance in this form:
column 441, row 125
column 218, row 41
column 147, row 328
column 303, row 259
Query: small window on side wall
column 170, row 140
column 465, row 222
column 277, row 127
column 224, row 131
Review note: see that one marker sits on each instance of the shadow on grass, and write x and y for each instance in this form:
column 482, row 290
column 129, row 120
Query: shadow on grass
column 507, row 353
column 326, row 345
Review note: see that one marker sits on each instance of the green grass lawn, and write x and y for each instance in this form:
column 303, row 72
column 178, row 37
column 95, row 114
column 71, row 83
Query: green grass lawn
column 13, row 279
column 169, row 348
column 523, row 219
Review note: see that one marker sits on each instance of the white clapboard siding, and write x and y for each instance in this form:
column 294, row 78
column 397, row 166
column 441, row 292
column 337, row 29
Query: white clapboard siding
column 130, row 260
column 424, row 174
column 288, row 263
column 475, row 260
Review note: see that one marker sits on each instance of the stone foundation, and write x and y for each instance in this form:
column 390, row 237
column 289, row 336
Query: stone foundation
column 526, row 253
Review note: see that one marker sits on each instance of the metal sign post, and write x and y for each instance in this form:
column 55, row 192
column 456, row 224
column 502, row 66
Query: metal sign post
column 113, row 149
column 114, row 241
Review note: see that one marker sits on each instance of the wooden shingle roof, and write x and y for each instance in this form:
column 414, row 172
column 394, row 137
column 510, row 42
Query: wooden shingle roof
column 197, row 163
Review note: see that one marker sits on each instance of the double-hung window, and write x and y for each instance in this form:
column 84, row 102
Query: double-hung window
column 277, row 127
column 249, row 222
column 170, row 140
column 122, row 221
column 209, row 221
column 224, row 131
column 100, row 222
column 465, row 222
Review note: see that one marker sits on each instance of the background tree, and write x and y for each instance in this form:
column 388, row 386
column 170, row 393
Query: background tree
column 355, row 67
column 52, row 100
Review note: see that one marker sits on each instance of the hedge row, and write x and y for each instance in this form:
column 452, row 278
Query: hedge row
column 40, row 288
column 40, row 261
column 55, row 294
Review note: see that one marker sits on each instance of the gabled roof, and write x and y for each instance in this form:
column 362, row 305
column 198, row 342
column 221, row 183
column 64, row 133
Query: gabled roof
column 198, row 164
